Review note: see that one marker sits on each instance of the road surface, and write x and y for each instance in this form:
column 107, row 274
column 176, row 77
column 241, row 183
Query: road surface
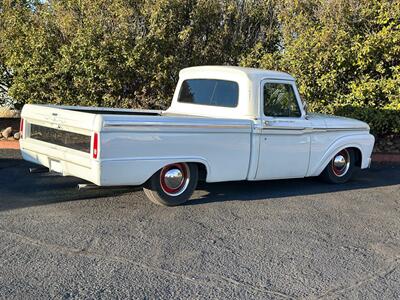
column 256, row 240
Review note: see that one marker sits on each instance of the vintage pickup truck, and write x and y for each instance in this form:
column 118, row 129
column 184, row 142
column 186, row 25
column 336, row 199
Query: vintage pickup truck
column 224, row 124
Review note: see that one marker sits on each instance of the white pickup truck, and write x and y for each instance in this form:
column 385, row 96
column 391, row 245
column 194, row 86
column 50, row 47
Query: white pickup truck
column 224, row 124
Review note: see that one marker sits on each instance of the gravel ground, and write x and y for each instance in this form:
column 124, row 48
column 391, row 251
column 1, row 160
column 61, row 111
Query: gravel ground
column 256, row 240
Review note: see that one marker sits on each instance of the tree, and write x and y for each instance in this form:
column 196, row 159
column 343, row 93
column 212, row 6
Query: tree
column 128, row 53
column 123, row 53
column 345, row 55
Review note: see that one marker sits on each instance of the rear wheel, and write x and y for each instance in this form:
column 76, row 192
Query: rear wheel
column 172, row 185
column 340, row 168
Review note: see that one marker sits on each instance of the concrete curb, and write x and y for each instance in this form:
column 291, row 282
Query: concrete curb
column 386, row 157
column 9, row 144
column 376, row 157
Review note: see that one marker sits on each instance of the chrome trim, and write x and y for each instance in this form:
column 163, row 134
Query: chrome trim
column 283, row 128
column 225, row 126
column 173, row 178
column 341, row 163
column 346, row 129
column 181, row 125
column 185, row 185
column 314, row 129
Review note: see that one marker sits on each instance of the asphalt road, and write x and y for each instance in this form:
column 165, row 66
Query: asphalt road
column 255, row 240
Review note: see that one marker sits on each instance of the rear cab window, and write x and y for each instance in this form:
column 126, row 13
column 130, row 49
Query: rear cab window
column 212, row 92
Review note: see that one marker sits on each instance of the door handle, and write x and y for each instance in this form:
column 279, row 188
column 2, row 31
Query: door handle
column 270, row 122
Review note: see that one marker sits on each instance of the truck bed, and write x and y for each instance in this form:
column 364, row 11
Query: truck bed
column 125, row 147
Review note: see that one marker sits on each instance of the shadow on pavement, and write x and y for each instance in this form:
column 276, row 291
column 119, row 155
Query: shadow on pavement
column 378, row 175
column 19, row 188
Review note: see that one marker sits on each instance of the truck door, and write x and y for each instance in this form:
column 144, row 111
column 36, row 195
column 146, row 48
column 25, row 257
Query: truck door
column 285, row 135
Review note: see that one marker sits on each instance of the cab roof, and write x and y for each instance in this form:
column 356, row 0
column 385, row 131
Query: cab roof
column 251, row 73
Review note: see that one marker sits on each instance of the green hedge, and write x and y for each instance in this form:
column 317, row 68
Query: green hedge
column 381, row 121
column 345, row 54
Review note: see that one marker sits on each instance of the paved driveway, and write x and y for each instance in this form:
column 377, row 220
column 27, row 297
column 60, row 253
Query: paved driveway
column 262, row 240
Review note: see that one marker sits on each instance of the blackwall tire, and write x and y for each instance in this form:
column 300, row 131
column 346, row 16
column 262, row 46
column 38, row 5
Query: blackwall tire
column 340, row 168
column 166, row 187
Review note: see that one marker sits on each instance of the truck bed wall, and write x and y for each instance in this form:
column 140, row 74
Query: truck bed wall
column 134, row 148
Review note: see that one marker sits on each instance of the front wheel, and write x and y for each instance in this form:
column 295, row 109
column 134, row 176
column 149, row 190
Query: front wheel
column 173, row 184
column 340, row 168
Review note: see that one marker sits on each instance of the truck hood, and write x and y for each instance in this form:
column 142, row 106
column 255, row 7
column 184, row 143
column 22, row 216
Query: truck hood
column 331, row 121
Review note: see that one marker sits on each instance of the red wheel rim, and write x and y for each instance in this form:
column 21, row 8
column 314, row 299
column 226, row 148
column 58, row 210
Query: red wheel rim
column 174, row 178
column 340, row 163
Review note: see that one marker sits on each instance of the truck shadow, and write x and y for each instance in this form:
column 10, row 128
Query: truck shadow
column 19, row 188
column 378, row 176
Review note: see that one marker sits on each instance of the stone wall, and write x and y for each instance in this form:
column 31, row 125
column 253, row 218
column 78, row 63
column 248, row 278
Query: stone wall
column 388, row 144
column 5, row 132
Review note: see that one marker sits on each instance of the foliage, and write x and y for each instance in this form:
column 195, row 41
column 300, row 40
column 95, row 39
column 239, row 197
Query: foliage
column 128, row 53
column 123, row 53
column 345, row 55
column 5, row 73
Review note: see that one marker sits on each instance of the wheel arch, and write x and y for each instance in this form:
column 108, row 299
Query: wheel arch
column 202, row 164
column 360, row 145
column 332, row 153
column 358, row 156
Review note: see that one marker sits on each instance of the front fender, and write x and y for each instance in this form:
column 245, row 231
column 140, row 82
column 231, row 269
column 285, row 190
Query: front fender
column 364, row 142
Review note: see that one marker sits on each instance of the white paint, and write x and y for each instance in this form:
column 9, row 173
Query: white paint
column 232, row 143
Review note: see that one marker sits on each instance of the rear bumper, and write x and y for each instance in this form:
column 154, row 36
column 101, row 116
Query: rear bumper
column 101, row 173
column 69, row 162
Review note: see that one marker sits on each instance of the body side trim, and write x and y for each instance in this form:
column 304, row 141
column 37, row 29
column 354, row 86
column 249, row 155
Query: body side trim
column 185, row 125
column 315, row 129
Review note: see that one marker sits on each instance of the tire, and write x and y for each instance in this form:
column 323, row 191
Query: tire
column 340, row 168
column 172, row 185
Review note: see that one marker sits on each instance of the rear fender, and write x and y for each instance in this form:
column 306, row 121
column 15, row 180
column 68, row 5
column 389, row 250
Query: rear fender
column 138, row 170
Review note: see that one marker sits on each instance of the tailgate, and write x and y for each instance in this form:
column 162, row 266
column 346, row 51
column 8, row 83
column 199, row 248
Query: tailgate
column 57, row 138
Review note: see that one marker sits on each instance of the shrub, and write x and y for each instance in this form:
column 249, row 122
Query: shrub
column 345, row 53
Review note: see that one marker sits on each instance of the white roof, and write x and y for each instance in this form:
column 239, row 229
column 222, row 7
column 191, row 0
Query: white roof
column 251, row 73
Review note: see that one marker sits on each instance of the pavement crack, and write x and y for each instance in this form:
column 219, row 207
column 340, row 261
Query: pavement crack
column 382, row 273
column 250, row 286
column 209, row 279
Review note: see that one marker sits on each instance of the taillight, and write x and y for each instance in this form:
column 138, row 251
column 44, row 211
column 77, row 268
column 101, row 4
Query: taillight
column 21, row 128
column 95, row 145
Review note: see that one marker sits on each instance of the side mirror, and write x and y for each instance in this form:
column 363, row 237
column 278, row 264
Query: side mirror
column 305, row 107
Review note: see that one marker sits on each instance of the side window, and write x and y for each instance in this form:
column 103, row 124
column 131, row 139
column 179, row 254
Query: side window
column 280, row 100
column 209, row 92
